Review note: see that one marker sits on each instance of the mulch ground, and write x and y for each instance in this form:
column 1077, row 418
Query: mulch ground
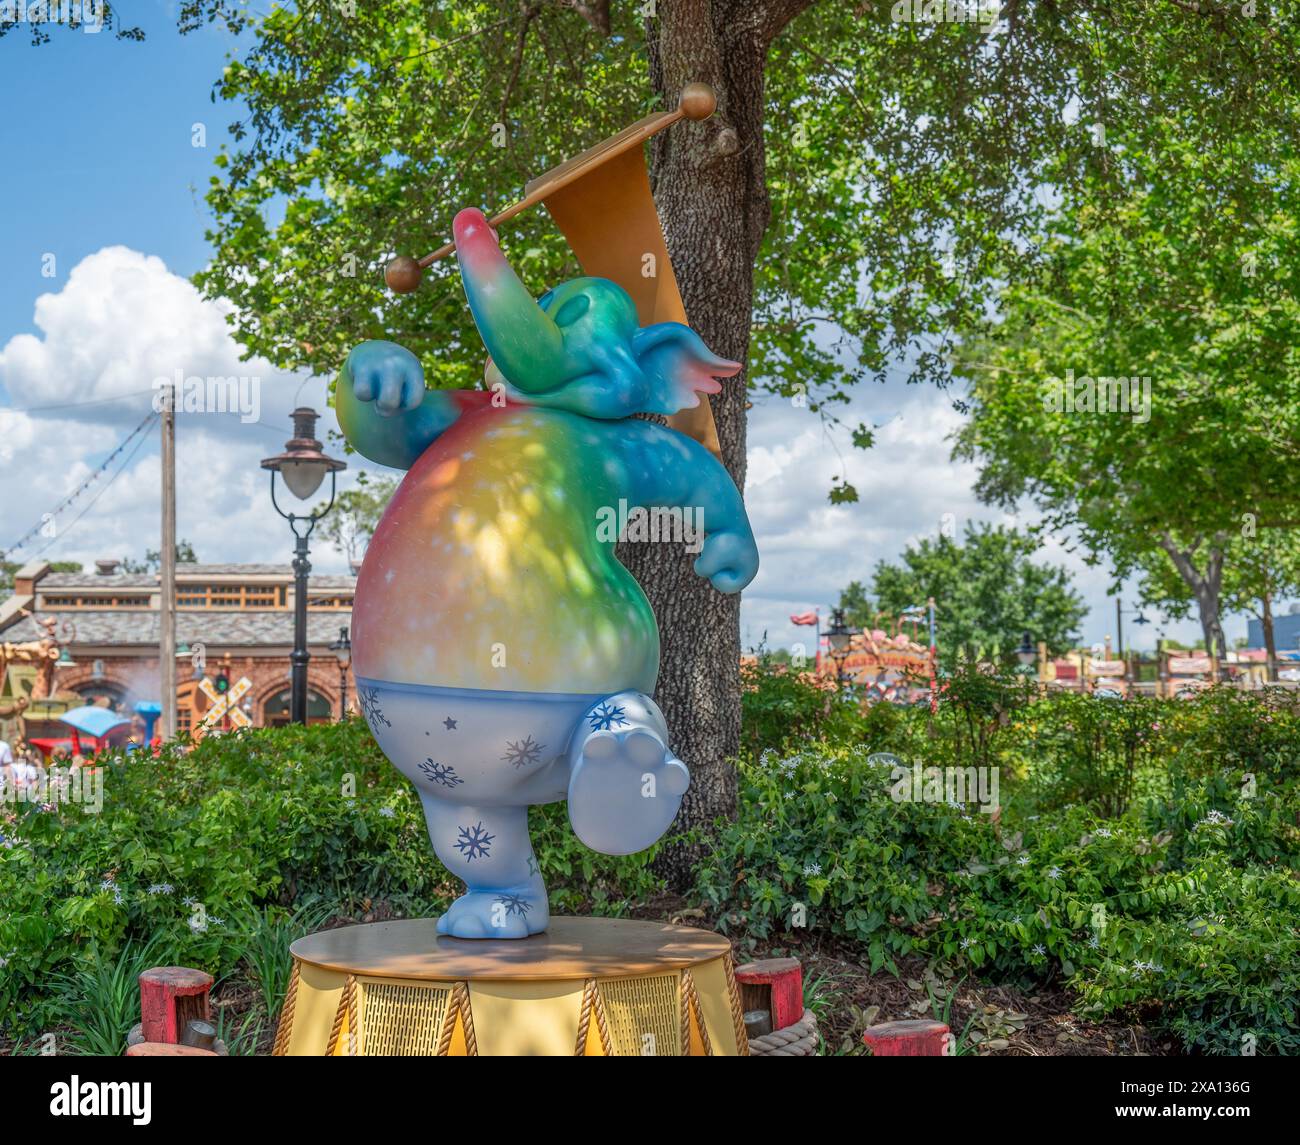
column 988, row 1019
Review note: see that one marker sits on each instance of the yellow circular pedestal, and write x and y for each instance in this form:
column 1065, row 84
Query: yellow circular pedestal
column 588, row 986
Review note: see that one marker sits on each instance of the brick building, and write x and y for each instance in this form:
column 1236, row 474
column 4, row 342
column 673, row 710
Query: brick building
column 232, row 620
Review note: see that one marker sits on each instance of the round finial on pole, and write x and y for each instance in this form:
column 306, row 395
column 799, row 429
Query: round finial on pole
column 403, row 274
column 697, row 101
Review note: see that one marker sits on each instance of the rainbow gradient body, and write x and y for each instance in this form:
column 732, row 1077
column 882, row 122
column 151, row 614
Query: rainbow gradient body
column 485, row 571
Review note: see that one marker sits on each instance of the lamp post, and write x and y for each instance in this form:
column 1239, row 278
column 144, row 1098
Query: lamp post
column 303, row 466
column 1120, row 613
column 342, row 649
column 1138, row 618
column 839, row 635
column 1027, row 653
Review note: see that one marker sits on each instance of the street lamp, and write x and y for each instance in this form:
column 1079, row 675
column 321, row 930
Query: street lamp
column 840, row 636
column 342, row 649
column 1027, row 653
column 1120, row 613
column 303, row 466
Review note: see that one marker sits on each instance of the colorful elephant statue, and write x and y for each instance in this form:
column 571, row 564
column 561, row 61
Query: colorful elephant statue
column 503, row 656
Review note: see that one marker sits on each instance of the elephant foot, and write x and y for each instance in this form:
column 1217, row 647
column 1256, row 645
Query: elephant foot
column 515, row 912
column 625, row 786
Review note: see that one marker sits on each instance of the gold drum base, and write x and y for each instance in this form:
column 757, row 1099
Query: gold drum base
column 587, row 987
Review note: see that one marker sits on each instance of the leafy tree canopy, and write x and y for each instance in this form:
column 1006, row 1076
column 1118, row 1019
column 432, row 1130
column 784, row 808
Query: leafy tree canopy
column 987, row 592
column 906, row 161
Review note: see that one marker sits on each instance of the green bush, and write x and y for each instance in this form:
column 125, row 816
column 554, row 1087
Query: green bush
column 1134, row 856
column 781, row 706
column 205, row 853
column 1144, row 852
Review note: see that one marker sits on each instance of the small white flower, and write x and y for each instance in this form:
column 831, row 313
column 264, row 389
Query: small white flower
column 1095, row 942
column 812, row 868
column 107, row 885
column 1023, row 860
column 1015, row 920
column 216, row 921
column 117, row 897
column 160, row 889
column 198, row 925
column 1054, row 873
column 789, row 794
column 1102, row 832
column 965, row 942
column 1039, row 948
column 189, row 900
column 388, row 813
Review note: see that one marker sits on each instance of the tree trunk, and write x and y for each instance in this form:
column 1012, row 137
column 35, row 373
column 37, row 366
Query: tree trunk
column 709, row 181
column 1206, row 587
column 1270, row 644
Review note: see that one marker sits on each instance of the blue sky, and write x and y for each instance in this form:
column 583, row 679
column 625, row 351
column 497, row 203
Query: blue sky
column 98, row 133
column 103, row 175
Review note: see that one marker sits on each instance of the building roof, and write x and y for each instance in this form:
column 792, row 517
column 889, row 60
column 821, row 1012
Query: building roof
column 216, row 628
column 186, row 573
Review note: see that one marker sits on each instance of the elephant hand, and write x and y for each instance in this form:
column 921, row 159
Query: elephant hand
column 729, row 560
column 388, row 375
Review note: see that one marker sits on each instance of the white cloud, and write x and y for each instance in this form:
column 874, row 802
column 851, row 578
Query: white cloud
column 122, row 319
column 906, row 484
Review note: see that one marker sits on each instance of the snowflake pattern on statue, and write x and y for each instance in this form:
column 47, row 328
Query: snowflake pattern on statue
column 371, row 709
column 605, row 717
column 515, row 904
column 474, row 842
column 441, row 773
column 523, row 752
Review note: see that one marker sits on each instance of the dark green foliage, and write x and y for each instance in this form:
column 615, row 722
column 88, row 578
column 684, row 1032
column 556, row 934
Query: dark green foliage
column 1145, row 851
column 220, row 856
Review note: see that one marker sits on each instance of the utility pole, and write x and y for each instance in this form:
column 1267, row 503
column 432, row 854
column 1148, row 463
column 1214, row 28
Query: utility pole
column 1119, row 627
column 167, row 570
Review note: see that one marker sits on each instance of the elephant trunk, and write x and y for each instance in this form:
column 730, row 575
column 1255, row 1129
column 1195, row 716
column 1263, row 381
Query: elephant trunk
column 525, row 344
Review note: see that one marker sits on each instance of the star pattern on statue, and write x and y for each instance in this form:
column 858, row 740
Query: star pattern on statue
column 523, row 752
column 475, row 842
column 449, row 724
column 371, row 708
column 515, row 904
column 441, row 773
column 606, row 716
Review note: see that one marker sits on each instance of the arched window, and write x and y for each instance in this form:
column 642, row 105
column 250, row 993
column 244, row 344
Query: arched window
column 97, row 691
column 276, row 712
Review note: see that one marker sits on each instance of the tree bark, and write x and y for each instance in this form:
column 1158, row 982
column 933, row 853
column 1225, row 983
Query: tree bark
column 1206, row 587
column 709, row 181
column 1270, row 644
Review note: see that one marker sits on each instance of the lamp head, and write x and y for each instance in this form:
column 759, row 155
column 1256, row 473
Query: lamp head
column 303, row 464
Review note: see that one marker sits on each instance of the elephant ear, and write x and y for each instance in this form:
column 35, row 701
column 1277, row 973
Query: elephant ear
column 678, row 366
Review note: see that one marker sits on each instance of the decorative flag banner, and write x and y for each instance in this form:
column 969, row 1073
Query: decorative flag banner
column 602, row 203
column 804, row 618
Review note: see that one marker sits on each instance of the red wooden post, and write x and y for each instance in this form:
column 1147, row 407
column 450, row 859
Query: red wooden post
column 775, row 985
column 163, row 1050
column 919, row 1039
column 169, row 997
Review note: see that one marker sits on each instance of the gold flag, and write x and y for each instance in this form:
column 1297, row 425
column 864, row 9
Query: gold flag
column 601, row 202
